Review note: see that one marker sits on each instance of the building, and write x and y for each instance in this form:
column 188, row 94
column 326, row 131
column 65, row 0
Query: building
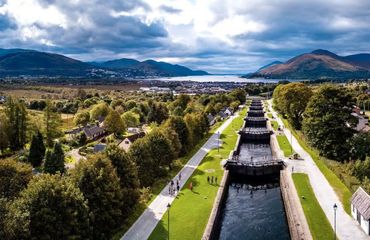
column 93, row 132
column 360, row 209
column 211, row 119
column 228, row 111
column 128, row 141
column 100, row 147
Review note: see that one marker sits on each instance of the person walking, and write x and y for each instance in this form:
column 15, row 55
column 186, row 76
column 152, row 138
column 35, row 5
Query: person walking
column 191, row 186
column 212, row 180
column 216, row 180
column 178, row 188
column 177, row 182
column 207, row 179
column 180, row 176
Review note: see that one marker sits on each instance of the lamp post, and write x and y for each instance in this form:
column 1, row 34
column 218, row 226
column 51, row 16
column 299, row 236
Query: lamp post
column 168, row 207
column 335, row 220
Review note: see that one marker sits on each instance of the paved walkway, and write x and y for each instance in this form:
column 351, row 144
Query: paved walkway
column 347, row 227
column 77, row 157
column 146, row 223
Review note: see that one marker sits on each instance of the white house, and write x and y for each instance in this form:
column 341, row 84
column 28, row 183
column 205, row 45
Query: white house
column 360, row 209
column 128, row 141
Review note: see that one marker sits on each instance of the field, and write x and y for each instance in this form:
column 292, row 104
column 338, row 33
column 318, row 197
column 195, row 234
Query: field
column 274, row 125
column 318, row 223
column 190, row 211
column 284, row 145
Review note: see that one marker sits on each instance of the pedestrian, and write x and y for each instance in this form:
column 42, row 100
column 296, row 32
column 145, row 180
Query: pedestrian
column 169, row 189
column 177, row 182
column 178, row 188
column 292, row 168
column 174, row 190
column 180, row 176
column 191, row 186
column 212, row 180
column 216, row 180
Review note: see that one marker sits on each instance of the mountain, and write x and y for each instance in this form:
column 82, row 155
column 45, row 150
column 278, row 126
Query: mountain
column 17, row 62
column 40, row 63
column 269, row 65
column 319, row 64
column 148, row 68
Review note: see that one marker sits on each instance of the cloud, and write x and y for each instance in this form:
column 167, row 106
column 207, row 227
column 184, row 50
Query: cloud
column 232, row 36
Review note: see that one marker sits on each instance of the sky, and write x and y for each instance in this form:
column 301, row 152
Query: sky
column 219, row 36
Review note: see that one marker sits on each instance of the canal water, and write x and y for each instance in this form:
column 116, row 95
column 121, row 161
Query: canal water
column 254, row 152
column 253, row 211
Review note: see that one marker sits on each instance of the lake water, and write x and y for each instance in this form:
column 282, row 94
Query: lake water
column 219, row 78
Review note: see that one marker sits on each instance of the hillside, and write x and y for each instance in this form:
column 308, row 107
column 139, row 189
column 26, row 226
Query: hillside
column 319, row 64
column 23, row 62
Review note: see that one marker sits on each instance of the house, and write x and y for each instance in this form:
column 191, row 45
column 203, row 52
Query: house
column 360, row 209
column 223, row 115
column 2, row 99
column 128, row 141
column 101, row 121
column 211, row 119
column 228, row 111
column 93, row 132
column 363, row 122
column 99, row 147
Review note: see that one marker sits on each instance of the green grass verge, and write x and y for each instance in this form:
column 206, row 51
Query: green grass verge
column 339, row 187
column 269, row 115
column 317, row 221
column 190, row 211
column 274, row 125
column 284, row 145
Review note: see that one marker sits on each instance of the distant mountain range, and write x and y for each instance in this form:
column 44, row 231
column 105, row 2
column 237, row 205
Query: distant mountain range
column 319, row 64
column 23, row 62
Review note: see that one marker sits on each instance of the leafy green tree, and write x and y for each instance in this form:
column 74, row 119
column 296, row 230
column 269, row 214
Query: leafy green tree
column 161, row 149
column 158, row 112
column 234, row 105
column 114, row 124
column 292, row 100
column 37, row 150
column 82, row 138
column 131, row 119
column 82, row 118
column 4, row 141
column 54, row 161
column 16, row 117
column 14, row 177
column 52, row 123
column 51, row 207
column 99, row 110
column 128, row 176
column 178, row 124
column 173, row 137
column 360, row 146
column 3, row 212
column 98, row 181
column 328, row 123
column 239, row 95
column 147, row 167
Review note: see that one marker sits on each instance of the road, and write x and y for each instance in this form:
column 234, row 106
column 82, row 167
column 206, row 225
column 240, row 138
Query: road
column 146, row 223
column 75, row 155
column 347, row 227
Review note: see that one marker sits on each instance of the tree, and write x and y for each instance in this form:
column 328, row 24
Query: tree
column 158, row 112
column 51, row 207
column 292, row 100
column 4, row 141
column 37, row 150
column 16, row 117
column 360, row 144
column 239, row 95
column 98, row 181
column 52, row 122
column 147, row 167
column 161, row 149
column 128, row 176
column 173, row 137
column 178, row 124
column 54, row 161
column 14, row 177
column 99, row 110
column 113, row 123
column 3, row 212
column 131, row 119
column 328, row 123
column 82, row 118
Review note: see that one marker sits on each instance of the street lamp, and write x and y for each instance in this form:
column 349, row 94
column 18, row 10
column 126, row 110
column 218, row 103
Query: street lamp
column 168, row 207
column 335, row 220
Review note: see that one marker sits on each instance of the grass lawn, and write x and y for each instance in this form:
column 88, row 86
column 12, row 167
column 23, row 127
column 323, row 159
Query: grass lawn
column 284, row 145
column 190, row 211
column 269, row 115
column 318, row 223
column 161, row 183
column 339, row 187
column 274, row 125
